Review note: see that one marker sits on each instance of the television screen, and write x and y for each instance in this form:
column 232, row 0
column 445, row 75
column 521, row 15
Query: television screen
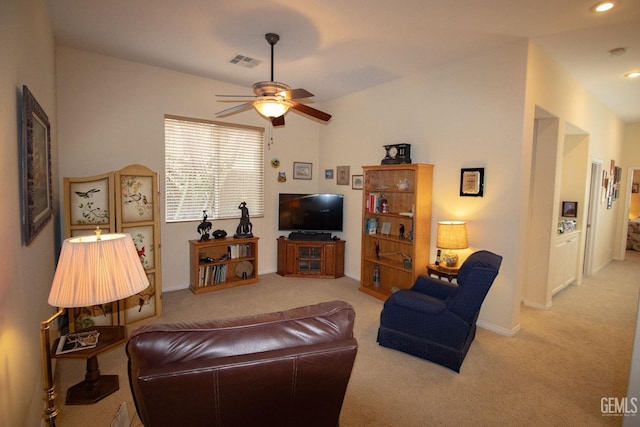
column 310, row 212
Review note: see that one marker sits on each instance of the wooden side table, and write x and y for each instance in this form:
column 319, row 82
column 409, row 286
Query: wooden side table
column 95, row 386
column 440, row 272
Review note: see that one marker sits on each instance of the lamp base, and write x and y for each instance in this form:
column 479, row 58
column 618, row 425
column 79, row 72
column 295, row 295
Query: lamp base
column 90, row 392
column 450, row 259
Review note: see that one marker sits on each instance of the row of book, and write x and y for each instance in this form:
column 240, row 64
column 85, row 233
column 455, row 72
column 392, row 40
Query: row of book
column 212, row 274
column 239, row 250
column 377, row 203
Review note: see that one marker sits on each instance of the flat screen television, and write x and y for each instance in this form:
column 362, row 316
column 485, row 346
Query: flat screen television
column 310, row 212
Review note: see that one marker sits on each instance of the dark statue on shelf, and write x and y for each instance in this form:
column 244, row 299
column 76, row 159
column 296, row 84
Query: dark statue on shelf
column 244, row 228
column 401, row 236
column 204, row 227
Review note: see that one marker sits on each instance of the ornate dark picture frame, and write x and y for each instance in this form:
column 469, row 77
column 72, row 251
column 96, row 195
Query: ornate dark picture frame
column 36, row 166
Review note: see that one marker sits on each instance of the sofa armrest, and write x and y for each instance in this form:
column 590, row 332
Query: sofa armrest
column 418, row 302
column 434, row 287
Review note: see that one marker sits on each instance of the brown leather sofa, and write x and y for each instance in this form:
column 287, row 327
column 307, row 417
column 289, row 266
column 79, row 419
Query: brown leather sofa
column 289, row 368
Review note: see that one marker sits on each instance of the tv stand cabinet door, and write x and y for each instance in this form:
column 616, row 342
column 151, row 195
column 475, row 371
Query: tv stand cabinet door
column 286, row 257
column 333, row 259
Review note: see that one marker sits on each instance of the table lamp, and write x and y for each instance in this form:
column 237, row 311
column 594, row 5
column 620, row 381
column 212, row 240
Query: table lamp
column 91, row 270
column 451, row 235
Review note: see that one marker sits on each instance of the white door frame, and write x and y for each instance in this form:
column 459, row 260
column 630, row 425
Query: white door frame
column 595, row 185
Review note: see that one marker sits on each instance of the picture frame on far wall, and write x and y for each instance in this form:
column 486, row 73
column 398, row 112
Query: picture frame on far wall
column 343, row 173
column 634, row 188
column 302, row 170
column 570, row 209
column 37, row 189
column 357, row 181
column 472, row 182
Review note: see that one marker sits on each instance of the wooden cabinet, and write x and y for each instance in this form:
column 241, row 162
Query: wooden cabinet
column 396, row 226
column 319, row 259
column 564, row 263
column 218, row 264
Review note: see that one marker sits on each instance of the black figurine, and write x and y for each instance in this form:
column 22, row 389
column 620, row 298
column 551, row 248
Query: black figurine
column 401, row 232
column 245, row 226
column 204, row 227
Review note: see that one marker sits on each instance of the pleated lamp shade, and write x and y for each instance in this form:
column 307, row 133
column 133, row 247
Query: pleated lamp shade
column 96, row 270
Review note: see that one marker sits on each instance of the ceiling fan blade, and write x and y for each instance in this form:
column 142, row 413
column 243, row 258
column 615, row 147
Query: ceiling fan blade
column 310, row 111
column 236, row 96
column 235, row 109
column 278, row 121
column 296, row 94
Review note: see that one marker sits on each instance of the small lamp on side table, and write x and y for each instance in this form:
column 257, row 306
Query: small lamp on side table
column 91, row 270
column 451, row 235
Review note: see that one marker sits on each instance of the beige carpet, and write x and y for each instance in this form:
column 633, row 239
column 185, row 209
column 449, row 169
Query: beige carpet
column 554, row 372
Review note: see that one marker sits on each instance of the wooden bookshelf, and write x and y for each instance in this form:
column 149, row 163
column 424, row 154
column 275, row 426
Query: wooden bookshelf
column 218, row 264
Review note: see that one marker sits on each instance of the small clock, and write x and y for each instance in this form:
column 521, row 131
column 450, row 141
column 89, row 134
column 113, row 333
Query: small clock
column 396, row 154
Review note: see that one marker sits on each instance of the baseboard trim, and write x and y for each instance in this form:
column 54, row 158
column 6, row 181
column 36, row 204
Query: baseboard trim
column 537, row 305
column 499, row 329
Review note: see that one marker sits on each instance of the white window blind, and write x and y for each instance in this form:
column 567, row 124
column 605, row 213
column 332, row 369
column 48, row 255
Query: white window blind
column 212, row 166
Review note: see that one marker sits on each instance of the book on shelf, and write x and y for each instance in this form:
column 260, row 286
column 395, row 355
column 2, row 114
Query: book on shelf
column 239, row 250
column 212, row 274
column 77, row 341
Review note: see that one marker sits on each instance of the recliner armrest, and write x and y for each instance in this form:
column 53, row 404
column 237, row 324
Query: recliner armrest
column 416, row 301
column 434, row 287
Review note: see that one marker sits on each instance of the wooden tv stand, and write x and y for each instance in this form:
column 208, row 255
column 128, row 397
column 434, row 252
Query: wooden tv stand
column 311, row 258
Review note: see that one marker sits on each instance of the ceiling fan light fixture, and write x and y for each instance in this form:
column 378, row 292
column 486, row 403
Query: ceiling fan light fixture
column 633, row 74
column 271, row 106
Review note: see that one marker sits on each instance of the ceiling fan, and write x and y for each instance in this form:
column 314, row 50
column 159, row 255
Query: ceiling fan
column 274, row 99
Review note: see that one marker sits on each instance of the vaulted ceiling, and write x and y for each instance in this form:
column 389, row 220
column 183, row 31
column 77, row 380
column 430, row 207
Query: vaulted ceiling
column 336, row 47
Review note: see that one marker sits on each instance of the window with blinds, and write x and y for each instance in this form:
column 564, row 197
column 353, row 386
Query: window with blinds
column 212, row 166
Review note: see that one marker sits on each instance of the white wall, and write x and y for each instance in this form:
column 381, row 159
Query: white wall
column 26, row 272
column 549, row 87
column 466, row 114
column 111, row 115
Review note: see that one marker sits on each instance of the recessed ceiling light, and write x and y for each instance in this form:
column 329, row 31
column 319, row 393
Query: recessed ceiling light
column 633, row 74
column 603, row 6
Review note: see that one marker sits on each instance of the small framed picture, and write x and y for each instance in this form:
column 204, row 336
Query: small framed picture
column 634, row 188
column 343, row 175
column 356, row 182
column 570, row 209
column 302, row 170
column 328, row 174
column 472, row 182
column 386, row 228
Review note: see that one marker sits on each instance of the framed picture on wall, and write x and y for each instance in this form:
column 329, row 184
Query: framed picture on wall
column 343, row 175
column 570, row 209
column 357, row 182
column 36, row 168
column 472, row 182
column 634, row 188
column 302, row 170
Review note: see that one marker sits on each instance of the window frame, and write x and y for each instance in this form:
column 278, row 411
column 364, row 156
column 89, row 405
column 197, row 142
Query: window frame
column 250, row 167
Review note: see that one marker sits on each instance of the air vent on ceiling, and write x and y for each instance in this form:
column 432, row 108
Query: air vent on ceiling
column 244, row 61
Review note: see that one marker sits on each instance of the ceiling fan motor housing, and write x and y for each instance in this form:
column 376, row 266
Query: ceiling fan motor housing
column 269, row 88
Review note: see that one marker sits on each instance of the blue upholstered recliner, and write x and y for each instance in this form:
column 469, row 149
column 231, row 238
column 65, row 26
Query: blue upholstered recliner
column 436, row 320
